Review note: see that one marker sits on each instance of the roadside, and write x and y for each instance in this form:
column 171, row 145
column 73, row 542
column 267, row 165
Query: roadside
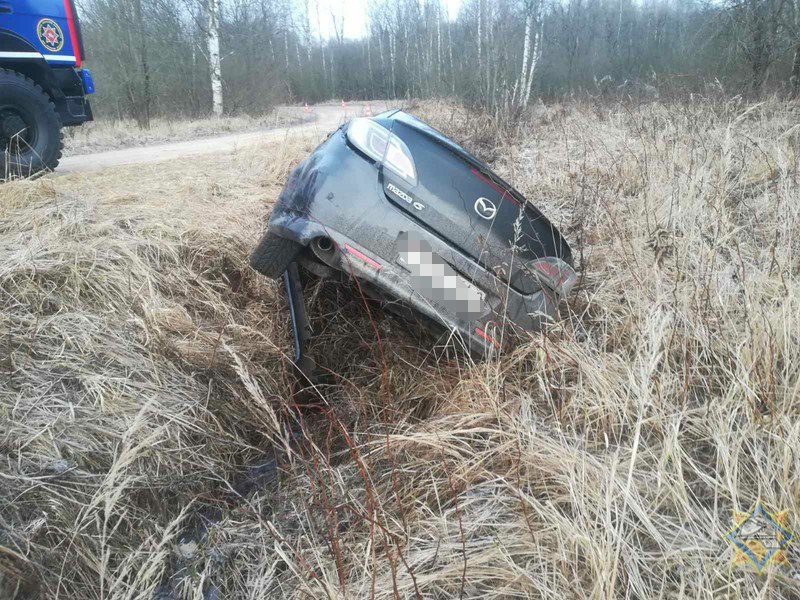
column 106, row 134
column 320, row 118
column 144, row 364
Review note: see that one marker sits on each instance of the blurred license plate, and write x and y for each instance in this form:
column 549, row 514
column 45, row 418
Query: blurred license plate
column 436, row 281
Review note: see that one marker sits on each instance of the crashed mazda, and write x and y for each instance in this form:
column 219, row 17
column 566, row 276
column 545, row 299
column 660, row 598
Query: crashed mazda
column 422, row 224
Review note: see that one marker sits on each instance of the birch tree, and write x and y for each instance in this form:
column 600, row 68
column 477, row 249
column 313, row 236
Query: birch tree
column 531, row 52
column 155, row 57
column 439, row 63
column 794, row 78
column 214, row 59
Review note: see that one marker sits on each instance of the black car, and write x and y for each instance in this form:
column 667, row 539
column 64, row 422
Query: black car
column 396, row 204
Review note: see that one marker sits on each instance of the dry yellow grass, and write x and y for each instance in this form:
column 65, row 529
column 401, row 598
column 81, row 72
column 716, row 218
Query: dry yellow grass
column 143, row 365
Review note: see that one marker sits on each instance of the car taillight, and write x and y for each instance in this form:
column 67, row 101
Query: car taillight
column 555, row 274
column 383, row 146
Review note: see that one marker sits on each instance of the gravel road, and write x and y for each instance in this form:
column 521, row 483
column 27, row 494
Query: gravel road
column 320, row 117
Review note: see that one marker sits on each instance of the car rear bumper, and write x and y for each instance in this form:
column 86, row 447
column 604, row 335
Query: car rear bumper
column 336, row 194
column 508, row 312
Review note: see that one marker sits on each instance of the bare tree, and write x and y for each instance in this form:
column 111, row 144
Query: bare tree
column 214, row 59
column 496, row 53
column 531, row 52
column 143, row 116
column 795, row 76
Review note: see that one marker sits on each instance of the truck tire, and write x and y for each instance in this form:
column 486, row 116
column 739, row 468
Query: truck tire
column 274, row 254
column 30, row 130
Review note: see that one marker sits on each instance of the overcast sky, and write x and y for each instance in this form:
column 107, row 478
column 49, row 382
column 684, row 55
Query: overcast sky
column 355, row 16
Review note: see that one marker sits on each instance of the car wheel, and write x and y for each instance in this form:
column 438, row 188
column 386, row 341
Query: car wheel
column 30, row 130
column 274, row 254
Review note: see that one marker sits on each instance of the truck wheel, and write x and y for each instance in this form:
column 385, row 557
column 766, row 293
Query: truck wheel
column 30, row 130
column 274, row 254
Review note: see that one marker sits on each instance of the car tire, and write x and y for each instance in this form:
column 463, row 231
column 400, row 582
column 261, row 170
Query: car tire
column 274, row 254
column 23, row 101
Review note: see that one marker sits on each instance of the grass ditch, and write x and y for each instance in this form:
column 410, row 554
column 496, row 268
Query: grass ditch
column 144, row 364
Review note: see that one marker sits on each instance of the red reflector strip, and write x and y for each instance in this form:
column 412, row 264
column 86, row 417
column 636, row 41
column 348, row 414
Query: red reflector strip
column 73, row 32
column 362, row 256
column 487, row 337
column 493, row 185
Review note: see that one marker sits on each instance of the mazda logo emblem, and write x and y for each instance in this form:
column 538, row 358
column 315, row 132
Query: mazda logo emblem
column 485, row 208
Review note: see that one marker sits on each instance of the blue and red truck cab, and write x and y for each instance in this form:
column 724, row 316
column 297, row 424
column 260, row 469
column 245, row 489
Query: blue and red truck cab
column 43, row 84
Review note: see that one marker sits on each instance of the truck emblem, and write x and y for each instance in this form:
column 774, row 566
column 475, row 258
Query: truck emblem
column 485, row 208
column 50, row 35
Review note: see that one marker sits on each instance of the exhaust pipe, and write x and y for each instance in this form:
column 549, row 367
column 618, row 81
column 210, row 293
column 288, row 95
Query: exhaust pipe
column 326, row 251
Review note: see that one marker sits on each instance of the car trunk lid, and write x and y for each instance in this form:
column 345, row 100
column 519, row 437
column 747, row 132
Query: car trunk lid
column 460, row 199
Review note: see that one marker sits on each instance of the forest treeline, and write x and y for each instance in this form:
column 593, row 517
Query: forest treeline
column 190, row 58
